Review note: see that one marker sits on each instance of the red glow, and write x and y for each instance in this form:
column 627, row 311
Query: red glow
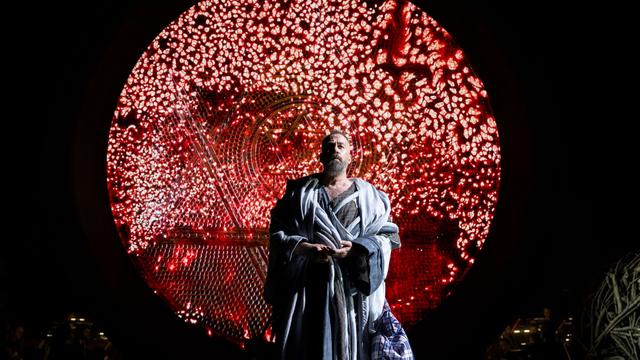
column 207, row 131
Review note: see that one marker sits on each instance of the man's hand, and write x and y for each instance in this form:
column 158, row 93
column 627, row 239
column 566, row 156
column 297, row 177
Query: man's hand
column 344, row 251
column 315, row 252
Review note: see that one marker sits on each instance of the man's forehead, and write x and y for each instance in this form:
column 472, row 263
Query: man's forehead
column 336, row 138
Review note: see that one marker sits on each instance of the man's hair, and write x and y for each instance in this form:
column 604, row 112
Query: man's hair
column 336, row 132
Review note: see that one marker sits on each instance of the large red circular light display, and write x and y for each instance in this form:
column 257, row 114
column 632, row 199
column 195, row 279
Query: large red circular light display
column 233, row 98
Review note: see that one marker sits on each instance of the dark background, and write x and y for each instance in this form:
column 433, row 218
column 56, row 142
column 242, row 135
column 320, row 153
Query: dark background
column 554, row 74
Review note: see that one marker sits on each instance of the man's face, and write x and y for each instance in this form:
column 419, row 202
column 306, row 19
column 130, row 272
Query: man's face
column 336, row 154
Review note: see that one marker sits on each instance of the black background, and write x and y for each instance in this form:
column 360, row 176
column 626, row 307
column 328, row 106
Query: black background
column 555, row 76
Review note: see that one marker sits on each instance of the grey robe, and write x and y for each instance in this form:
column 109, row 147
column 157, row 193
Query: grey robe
column 320, row 311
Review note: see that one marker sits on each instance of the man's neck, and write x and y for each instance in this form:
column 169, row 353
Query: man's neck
column 333, row 180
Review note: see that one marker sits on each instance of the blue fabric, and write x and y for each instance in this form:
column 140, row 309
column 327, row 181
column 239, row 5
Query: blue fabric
column 390, row 342
column 374, row 265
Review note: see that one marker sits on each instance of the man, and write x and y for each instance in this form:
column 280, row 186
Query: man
column 330, row 243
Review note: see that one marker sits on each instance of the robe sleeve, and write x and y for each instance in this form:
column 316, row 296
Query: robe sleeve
column 369, row 265
column 284, row 267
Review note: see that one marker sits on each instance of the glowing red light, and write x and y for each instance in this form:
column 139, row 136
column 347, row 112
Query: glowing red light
column 232, row 99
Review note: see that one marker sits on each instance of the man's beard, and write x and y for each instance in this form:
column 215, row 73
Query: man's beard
column 334, row 166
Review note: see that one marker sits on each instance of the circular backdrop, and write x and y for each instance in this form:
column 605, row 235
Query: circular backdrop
column 233, row 98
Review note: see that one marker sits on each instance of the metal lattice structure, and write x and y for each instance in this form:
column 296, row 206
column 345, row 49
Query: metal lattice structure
column 610, row 317
column 233, row 98
column 218, row 283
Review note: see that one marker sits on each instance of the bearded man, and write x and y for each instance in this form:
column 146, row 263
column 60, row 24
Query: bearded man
column 330, row 242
